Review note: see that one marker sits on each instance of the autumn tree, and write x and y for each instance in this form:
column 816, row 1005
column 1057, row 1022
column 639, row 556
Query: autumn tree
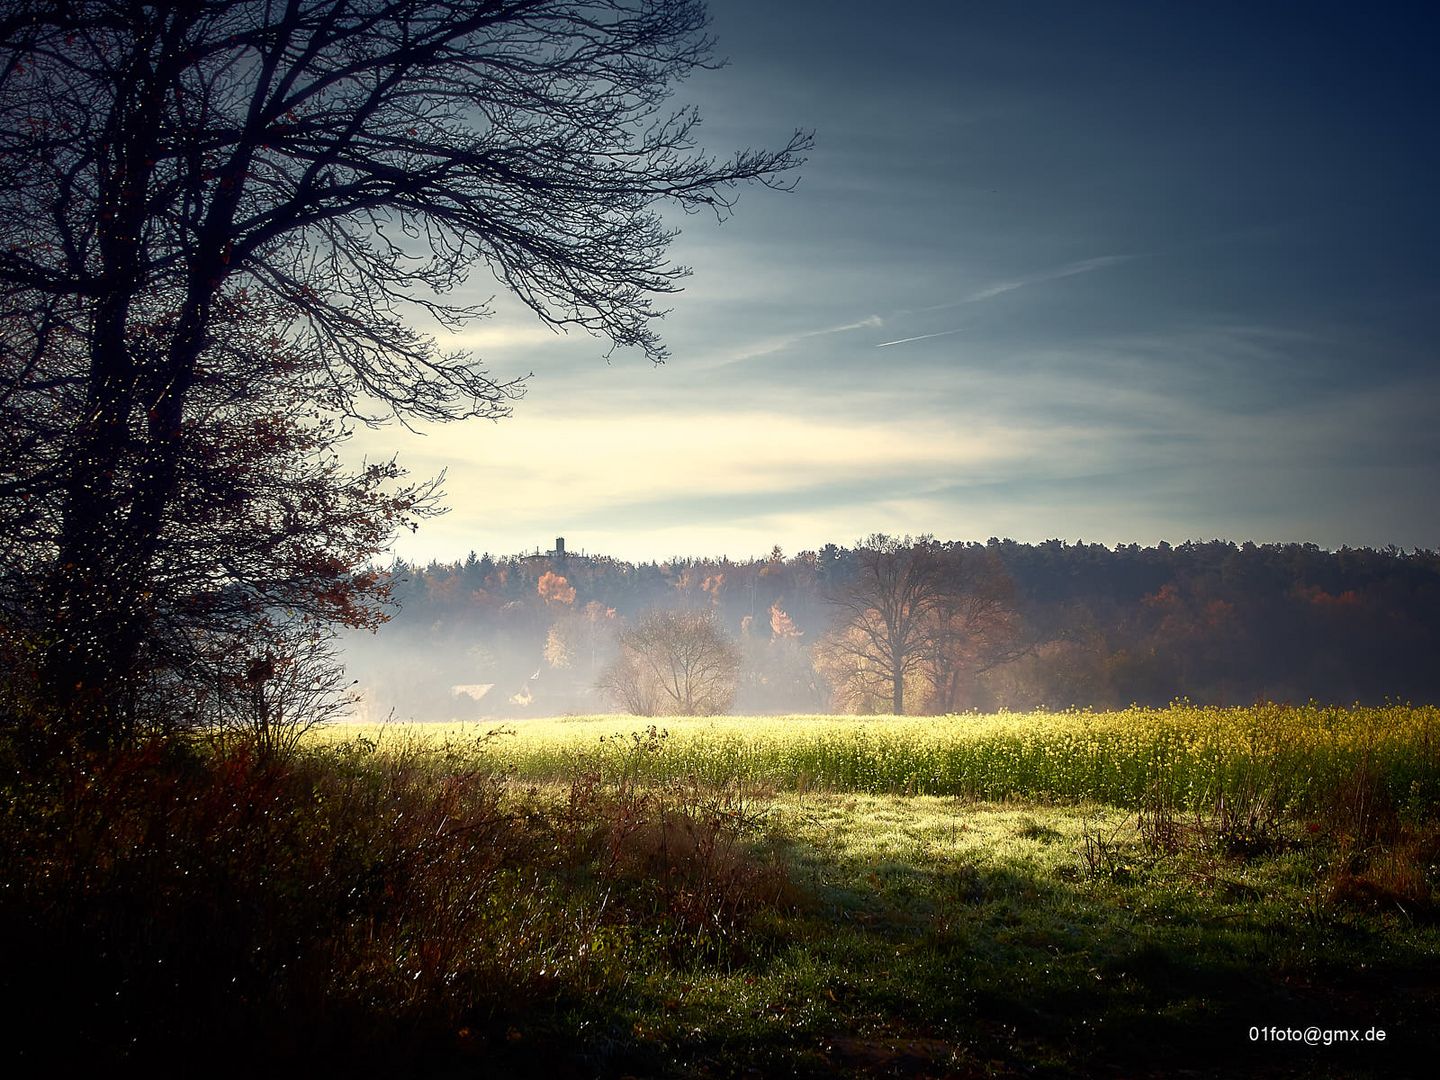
column 918, row 619
column 339, row 164
column 579, row 645
column 680, row 663
column 885, row 616
column 777, row 673
column 555, row 590
column 263, row 547
column 973, row 627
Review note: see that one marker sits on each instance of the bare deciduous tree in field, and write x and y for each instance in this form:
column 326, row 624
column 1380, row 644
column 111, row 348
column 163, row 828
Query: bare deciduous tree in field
column 884, row 621
column 975, row 628
column 339, row 163
column 679, row 663
column 918, row 618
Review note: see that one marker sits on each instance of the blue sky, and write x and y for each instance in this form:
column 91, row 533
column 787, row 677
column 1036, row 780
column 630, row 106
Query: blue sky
column 1102, row 271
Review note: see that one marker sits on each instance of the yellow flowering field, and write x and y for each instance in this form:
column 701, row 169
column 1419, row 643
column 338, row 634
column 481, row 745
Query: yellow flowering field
column 1292, row 756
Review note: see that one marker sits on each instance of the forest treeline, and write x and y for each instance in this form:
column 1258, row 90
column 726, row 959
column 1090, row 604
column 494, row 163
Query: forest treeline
column 1008, row 625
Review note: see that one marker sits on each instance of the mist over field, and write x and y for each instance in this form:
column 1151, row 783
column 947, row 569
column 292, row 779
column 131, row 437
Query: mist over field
column 1049, row 625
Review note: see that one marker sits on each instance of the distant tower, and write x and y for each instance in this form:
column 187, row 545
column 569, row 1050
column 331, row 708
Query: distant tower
column 559, row 547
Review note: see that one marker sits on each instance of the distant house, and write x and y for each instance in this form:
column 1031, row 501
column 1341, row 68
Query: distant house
column 473, row 691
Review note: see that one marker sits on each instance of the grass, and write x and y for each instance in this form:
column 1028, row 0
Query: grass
column 740, row 897
column 1297, row 758
column 961, row 939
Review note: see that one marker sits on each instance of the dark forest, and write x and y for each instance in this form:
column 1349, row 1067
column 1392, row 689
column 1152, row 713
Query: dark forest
column 1058, row 625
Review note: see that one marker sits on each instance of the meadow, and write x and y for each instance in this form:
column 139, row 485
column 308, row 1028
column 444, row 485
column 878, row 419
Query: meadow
column 1289, row 759
column 1138, row 893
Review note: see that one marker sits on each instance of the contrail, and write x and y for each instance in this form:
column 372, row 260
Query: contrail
column 1084, row 266
column 922, row 337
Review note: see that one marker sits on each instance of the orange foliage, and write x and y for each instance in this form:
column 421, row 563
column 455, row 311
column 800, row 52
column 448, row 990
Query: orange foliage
column 1328, row 601
column 781, row 625
column 1168, row 596
column 712, row 586
column 554, row 589
column 1218, row 613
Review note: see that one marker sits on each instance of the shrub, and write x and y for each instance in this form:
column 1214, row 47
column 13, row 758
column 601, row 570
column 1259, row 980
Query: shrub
column 356, row 904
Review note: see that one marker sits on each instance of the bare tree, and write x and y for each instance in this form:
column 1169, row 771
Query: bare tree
column 885, row 615
column 680, row 663
column 974, row 627
column 628, row 683
column 342, row 162
column 918, row 617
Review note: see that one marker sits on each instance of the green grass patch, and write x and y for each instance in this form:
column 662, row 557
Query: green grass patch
column 688, row 900
column 945, row 937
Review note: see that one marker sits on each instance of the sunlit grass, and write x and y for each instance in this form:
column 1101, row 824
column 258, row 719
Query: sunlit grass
column 575, row 896
column 941, row 936
column 1291, row 757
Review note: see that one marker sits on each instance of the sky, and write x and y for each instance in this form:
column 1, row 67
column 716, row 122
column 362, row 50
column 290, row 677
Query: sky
column 1119, row 272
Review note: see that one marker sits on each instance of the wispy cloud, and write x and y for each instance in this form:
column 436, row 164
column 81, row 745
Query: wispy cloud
column 863, row 324
column 698, row 468
column 1084, row 266
column 919, row 337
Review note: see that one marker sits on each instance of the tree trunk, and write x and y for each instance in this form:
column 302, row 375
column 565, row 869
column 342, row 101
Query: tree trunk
column 87, row 602
column 95, row 602
column 98, row 604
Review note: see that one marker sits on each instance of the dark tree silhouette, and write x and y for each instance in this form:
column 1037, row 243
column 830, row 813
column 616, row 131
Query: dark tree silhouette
column 337, row 162
column 885, row 613
column 264, row 542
